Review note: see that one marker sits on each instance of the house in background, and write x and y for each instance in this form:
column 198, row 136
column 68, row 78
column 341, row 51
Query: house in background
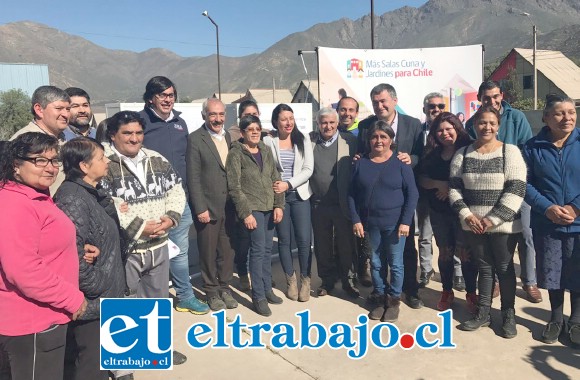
column 307, row 92
column 556, row 73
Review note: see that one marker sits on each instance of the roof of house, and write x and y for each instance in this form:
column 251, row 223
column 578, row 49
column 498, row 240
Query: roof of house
column 265, row 95
column 313, row 89
column 558, row 68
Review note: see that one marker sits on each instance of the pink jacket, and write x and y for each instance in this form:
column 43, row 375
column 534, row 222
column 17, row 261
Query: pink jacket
column 39, row 269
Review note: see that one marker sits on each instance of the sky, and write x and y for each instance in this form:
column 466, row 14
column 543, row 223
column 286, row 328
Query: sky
column 245, row 27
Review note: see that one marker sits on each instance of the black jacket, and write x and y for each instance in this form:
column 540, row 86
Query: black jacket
column 93, row 213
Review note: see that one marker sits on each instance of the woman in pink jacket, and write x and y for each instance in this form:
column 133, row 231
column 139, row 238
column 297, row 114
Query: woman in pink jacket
column 39, row 268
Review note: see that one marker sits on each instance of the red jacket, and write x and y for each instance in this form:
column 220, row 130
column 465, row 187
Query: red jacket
column 39, row 269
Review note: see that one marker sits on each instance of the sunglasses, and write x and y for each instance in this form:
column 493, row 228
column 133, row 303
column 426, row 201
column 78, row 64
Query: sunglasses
column 441, row 106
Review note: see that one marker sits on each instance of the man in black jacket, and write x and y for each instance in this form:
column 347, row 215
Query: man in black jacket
column 409, row 147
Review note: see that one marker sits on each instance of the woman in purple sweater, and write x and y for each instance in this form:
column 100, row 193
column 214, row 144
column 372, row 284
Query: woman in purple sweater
column 382, row 200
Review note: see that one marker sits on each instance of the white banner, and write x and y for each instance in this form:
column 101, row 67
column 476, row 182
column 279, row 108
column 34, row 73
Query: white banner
column 456, row 72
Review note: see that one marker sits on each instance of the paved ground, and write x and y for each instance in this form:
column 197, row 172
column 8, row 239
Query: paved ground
column 479, row 355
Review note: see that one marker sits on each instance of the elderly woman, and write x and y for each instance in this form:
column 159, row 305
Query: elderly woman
column 446, row 136
column 295, row 162
column 486, row 188
column 251, row 172
column 382, row 201
column 39, row 293
column 93, row 213
column 553, row 191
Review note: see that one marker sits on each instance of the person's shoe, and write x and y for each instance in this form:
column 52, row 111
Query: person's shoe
column 261, row 307
column 376, row 298
column 508, row 328
column 178, row 358
column 551, row 332
column 471, row 299
column 351, row 290
column 245, row 283
column 273, row 298
column 414, row 301
column 574, row 332
column 324, row 289
column 459, row 283
column 192, row 305
column 229, row 300
column 304, row 294
column 533, row 293
column 215, row 303
column 391, row 309
column 292, row 291
column 425, row 278
column 446, row 300
column 364, row 275
column 377, row 313
column 496, row 290
column 480, row 319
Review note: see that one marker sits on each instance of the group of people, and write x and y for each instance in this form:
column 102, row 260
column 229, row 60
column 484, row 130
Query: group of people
column 103, row 226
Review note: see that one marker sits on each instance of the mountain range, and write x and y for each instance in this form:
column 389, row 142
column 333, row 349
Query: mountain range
column 118, row 75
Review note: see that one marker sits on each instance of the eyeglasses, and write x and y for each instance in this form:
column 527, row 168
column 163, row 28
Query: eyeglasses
column 42, row 162
column 164, row 96
column 441, row 106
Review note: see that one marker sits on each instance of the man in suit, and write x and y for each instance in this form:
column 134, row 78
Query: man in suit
column 409, row 147
column 207, row 150
column 330, row 180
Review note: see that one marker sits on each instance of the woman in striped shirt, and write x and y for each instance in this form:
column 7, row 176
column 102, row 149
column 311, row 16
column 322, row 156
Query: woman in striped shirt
column 486, row 188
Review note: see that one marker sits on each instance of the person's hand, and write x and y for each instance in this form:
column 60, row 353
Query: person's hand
column 356, row 157
column 404, row 158
column 161, row 228
column 474, row 224
column 91, row 253
column 559, row 215
column 280, row 187
column 124, row 207
column 250, row 222
column 77, row 314
column 485, row 224
column 204, row 217
column 150, row 227
column 358, row 230
column 403, row 230
column 572, row 210
column 442, row 192
column 278, row 215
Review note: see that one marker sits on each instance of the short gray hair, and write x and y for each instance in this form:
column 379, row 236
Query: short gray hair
column 326, row 111
column 44, row 95
column 207, row 102
column 432, row 95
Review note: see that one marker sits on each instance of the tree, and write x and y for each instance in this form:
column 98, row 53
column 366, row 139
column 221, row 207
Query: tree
column 14, row 112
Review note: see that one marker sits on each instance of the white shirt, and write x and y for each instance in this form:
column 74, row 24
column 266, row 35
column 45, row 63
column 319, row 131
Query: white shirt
column 218, row 136
column 135, row 164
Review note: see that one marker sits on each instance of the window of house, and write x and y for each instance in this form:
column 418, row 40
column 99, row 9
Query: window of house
column 528, row 82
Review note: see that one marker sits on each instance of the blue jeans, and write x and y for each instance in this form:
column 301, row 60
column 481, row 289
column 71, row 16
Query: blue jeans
column 261, row 240
column 526, row 250
column 387, row 252
column 297, row 215
column 179, row 265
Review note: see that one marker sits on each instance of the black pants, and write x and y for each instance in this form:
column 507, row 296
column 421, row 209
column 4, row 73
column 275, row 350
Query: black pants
column 410, row 262
column 494, row 254
column 36, row 356
column 83, row 336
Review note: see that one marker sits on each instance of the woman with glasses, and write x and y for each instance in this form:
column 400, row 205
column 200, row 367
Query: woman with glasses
column 39, row 267
column 295, row 162
column 251, row 172
column 553, row 192
column 93, row 213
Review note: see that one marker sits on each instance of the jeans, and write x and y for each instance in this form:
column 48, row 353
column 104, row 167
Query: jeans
column 450, row 239
column 297, row 215
column 387, row 252
column 179, row 265
column 261, row 240
column 526, row 250
column 425, row 235
column 494, row 253
column 241, row 240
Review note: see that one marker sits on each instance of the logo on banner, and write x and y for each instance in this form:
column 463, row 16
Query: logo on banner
column 136, row 333
column 354, row 68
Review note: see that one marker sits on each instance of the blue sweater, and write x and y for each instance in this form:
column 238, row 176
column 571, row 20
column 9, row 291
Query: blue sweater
column 513, row 129
column 394, row 195
column 553, row 178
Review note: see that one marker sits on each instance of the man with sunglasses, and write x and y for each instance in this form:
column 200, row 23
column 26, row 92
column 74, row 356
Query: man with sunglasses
column 514, row 129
